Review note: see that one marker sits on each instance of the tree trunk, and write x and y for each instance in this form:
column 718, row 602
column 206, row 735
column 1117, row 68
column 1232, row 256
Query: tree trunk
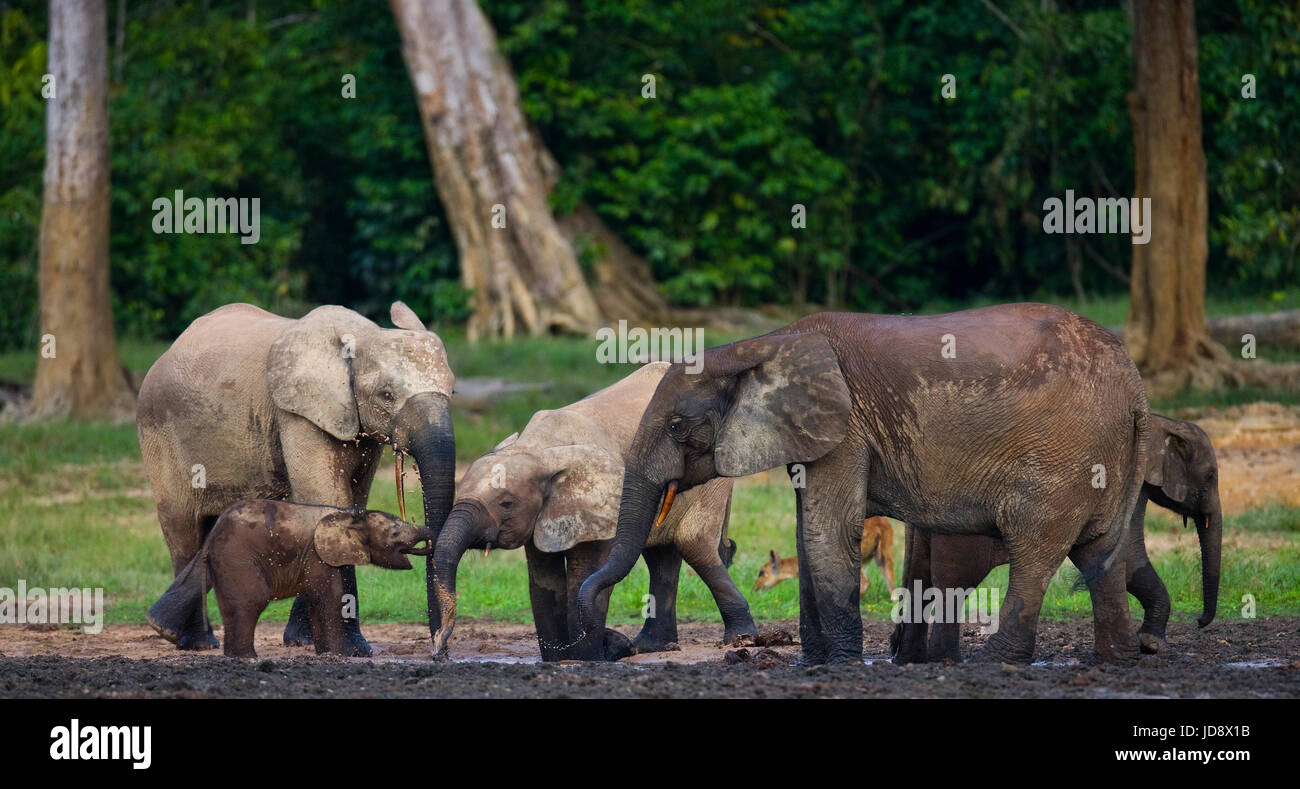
column 1166, row 332
column 78, row 373
column 491, row 169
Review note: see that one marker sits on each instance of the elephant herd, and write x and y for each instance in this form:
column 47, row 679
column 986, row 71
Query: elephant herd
column 1015, row 434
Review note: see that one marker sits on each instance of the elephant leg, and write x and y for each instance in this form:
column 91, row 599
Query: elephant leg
column 736, row 619
column 241, row 603
column 834, row 505
column 660, row 629
column 297, row 633
column 600, row 643
column 1146, row 586
column 908, row 640
column 1114, row 639
column 958, row 563
column 547, row 591
column 813, row 645
column 1033, row 562
column 354, row 644
column 327, row 622
column 238, row 627
column 197, row 632
column 1150, row 591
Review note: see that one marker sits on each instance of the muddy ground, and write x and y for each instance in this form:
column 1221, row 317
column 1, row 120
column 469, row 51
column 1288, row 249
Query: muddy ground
column 1232, row 659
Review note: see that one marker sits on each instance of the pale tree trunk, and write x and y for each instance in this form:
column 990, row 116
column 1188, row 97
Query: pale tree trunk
column 489, row 165
column 1166, row 332
column 83, row 378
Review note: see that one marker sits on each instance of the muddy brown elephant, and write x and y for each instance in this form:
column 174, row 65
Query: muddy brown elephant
column 554, row 490
column 262, row 550
column 246, row 404
column 882, row 415
column 1181, row 476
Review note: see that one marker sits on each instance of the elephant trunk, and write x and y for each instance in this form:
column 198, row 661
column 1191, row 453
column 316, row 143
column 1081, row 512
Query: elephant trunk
column 463, row 530
column 1209, row 528
column 424, row 428
column 641, row 502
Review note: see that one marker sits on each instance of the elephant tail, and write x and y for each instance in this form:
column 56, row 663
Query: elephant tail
column 1117, row 534
column 185, row 599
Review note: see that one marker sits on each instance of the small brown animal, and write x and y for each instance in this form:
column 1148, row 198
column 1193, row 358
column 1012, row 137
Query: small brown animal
column 262, row 550
column 877, row 541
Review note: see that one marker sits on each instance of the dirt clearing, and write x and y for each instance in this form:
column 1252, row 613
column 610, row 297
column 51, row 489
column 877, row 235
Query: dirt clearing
column 1239, row 659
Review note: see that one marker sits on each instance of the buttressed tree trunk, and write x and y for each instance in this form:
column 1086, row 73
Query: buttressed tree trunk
column 1166, row 332
column 78, row 373
column 494, row 177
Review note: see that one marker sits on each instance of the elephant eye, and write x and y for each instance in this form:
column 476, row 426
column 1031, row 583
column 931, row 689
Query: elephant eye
column 675, row 425
column 387, row 395
column 507, row 504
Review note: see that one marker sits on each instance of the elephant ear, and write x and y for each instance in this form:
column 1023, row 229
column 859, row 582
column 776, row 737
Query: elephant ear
column 339, row 539
column 1170, row 468
column 791, row 405
column 586, row 484
column 404, row 317
column 308, row 370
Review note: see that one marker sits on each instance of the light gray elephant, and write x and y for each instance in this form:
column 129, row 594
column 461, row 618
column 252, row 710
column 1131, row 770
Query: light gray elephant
column 247, row 404
column 555, row 489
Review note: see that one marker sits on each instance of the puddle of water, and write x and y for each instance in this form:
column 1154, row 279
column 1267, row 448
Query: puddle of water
column 1254, row 664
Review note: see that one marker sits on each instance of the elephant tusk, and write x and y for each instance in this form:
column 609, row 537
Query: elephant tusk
column 487, row 550
column 401, row 492
column 669, row 495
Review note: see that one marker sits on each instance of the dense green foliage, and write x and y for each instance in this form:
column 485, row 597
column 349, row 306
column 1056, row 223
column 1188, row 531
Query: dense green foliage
column 833, row 104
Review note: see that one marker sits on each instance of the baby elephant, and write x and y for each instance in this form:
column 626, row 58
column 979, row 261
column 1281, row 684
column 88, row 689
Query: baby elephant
column 554, row 490
column 877, row 541
column 262, row 550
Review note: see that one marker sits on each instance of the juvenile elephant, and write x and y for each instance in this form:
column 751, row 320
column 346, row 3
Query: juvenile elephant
column 883, row 415
column 262, row 550
column 1181, row 475
column 246, row 404
column 554, row 490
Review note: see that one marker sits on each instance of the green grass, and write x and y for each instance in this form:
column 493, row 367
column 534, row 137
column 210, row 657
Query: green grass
column 77, row 516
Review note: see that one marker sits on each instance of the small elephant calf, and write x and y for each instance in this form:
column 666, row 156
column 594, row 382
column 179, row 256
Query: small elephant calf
column 262, row 550
column 877, row 541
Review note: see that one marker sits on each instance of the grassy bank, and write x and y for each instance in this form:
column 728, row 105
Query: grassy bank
column 75, row 511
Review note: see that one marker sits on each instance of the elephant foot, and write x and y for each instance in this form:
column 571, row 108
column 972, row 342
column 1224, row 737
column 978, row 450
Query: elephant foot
column 906, row 645
column 355, row 644
column 1151, row 644
column 997, row 652
column 654, row 643
column 617, row 646
column 844, row 658
column 196, row 641
column 733, row 632
column 298, row 634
